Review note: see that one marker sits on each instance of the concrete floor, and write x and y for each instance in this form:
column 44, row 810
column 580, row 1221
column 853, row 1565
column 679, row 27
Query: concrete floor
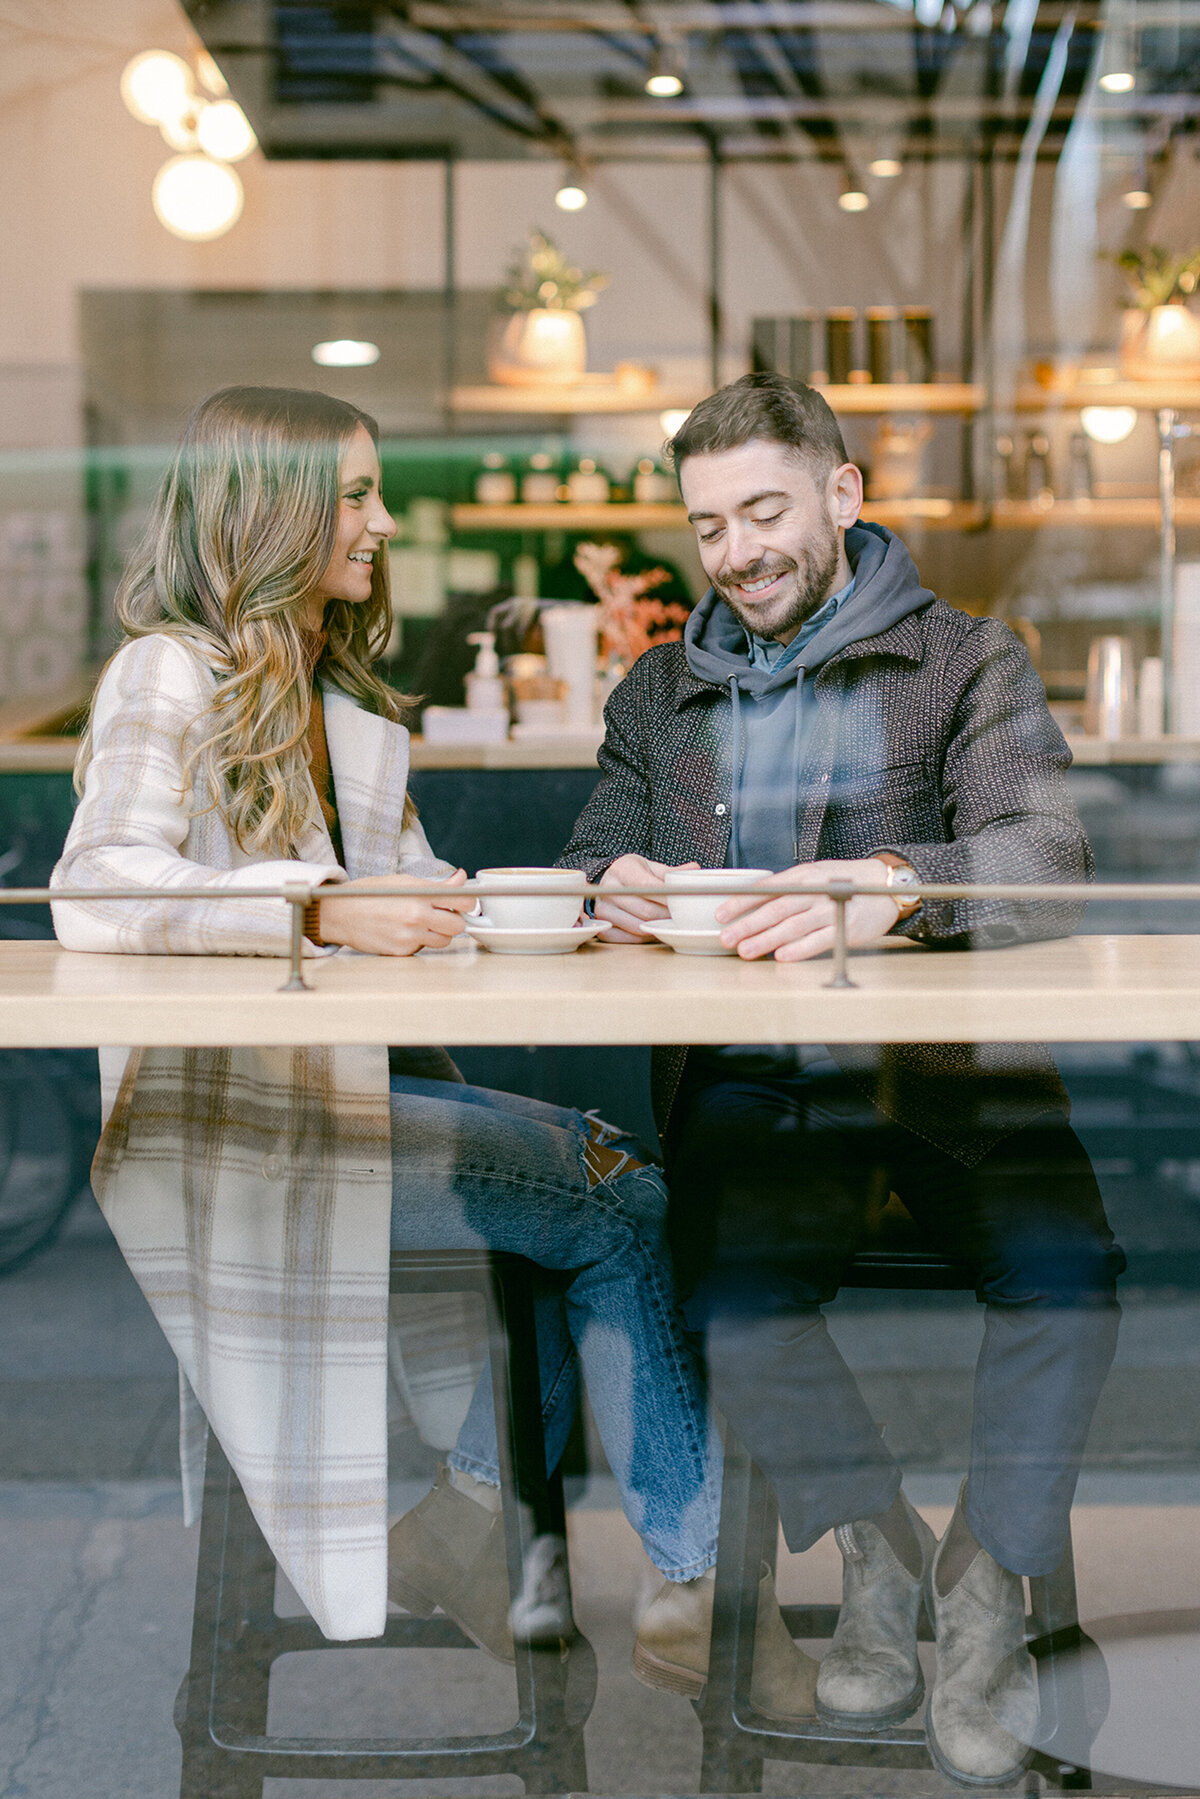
column 96, row 1568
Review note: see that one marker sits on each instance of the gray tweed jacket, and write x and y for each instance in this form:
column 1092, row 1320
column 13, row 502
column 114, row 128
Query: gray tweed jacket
column 932, row 739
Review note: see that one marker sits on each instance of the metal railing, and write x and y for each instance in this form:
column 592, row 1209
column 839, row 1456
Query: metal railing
column 841, row 890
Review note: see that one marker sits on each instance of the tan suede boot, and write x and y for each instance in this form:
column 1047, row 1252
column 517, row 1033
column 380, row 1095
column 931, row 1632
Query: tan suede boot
column 450, row 1552
column 675, row 1636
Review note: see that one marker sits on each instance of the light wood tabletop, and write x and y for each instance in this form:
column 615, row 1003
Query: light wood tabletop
column 1077, row 989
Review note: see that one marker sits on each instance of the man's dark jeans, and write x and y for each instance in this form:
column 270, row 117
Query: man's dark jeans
column 774, row 1183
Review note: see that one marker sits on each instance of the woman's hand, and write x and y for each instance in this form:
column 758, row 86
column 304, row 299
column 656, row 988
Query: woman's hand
column 393, row 927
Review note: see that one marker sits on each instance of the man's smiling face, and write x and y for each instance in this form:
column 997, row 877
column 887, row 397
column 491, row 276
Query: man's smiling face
column 771, row 538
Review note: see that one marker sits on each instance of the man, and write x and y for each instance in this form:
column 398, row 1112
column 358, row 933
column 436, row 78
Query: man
column 826, row 715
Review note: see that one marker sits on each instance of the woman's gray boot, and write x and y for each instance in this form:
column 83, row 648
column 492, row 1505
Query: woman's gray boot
column 983, row 1711
column 871, row 1677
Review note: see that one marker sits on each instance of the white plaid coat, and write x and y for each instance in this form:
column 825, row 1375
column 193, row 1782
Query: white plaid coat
column 250, row 1190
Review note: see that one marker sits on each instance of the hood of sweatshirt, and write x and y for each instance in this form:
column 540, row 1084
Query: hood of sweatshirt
column 886, row 589
column 769, row 733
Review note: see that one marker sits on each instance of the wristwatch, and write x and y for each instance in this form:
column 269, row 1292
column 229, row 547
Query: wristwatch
column 900, row 880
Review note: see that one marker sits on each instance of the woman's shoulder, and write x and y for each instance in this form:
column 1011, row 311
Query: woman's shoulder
column 163, row 661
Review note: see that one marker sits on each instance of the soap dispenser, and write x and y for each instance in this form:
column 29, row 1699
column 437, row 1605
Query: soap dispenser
column 485, row 684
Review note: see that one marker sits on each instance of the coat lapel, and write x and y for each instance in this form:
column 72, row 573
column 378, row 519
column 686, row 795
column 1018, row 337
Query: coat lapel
column 369, row 759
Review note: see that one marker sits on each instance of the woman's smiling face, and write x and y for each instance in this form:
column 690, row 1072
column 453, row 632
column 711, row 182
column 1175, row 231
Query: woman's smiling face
column 364, row 526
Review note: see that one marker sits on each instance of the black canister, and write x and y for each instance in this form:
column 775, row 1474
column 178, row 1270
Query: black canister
column 839, row 343
column 882, row 325
column 803, row 351
column 918, row 344
column 764, row 346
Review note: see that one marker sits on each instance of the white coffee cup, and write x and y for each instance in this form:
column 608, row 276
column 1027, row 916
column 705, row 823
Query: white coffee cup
column 711, row 887
column 553, row 910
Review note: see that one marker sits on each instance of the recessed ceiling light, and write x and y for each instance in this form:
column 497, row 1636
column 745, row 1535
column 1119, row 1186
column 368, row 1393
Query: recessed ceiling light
column 571, row 198
column 345, row 353
column 885, row 167
column 853, row 200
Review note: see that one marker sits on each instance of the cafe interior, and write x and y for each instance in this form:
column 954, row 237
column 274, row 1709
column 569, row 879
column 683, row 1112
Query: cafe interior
column 528, row 237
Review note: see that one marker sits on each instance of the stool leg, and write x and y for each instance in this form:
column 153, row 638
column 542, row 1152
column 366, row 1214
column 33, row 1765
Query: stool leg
column 729, row 1764
column 558, row 1695
column 1061, row 1673
column 219, row 1660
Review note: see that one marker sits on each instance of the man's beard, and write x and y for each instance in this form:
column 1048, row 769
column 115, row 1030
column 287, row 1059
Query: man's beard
column 812, row 584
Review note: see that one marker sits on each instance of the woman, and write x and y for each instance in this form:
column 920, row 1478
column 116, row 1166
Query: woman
column 239, row 737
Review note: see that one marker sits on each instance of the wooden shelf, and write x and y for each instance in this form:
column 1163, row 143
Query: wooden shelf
column 566, row 517
column 1147, row 396
column 603, row 396
column 934, row 513
column 1027, row 515
column 596, row 396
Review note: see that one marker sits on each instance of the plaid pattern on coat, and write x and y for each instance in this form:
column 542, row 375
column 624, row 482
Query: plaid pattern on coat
column 250, row 1190
column 931, row 739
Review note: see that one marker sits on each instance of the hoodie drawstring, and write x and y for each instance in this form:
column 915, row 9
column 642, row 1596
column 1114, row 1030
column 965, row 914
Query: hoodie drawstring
column 797, row 737
column 735, row 841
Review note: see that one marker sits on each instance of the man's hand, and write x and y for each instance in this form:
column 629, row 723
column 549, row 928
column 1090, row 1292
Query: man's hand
column 627, row 918
column 797, row 926
column 393, row 927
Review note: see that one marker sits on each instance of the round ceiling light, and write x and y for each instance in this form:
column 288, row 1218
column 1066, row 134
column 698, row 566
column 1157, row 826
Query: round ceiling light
column 345, row 353
column 1138, row 199
column 156, row 86
column 224, row 131
column 885, row 167
column 197, row 198
column 853, row 200
column 672, row 421
column 570, row 197
column 1118, row 81
column 664, row 86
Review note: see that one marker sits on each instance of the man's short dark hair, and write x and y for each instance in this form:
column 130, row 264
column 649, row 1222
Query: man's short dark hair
column 767, row 409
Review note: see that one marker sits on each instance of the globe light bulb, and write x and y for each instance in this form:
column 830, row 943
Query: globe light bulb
column 1118, row 81
column 224, row 132
column 664, row 86
column 885, row 167
column 1108, row 424
column 197, row 198
column 345, row 353
column 571, row 198
column 853, row 200
column 1138, row 199
column 156, row 85
column 672, row 421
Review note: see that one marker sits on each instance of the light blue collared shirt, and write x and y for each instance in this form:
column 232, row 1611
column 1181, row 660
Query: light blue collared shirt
column 768, row 654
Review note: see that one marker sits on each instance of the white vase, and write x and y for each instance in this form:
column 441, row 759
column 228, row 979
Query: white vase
column 1160, row 344
column 545, row 346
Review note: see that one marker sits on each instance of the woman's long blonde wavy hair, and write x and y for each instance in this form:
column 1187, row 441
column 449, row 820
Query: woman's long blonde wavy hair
column 242, row 531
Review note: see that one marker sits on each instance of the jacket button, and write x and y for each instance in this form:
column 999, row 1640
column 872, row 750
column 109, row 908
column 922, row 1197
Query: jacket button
column 272, row 1168
column 720, row 811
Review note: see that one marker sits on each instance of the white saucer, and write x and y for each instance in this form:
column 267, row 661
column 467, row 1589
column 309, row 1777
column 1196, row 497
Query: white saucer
column 531, row 943
column 690, row 943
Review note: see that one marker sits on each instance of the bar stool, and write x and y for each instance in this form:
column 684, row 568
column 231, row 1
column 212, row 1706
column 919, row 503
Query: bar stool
column 737, row 1739
column 221, row 1710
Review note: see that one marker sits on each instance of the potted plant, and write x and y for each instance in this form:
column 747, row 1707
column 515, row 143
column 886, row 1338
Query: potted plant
column 543, row 341
column 1160, row 335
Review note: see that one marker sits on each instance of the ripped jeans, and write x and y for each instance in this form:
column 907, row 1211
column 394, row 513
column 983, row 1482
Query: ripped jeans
column 475, row 1169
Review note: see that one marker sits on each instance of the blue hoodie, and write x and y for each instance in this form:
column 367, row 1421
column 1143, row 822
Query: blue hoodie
column 773, row 708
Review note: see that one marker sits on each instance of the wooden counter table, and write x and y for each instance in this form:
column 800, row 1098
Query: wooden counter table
column 1076, row 989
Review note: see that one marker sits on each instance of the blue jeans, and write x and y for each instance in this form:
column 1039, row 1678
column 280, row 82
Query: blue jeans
column 473, row 1169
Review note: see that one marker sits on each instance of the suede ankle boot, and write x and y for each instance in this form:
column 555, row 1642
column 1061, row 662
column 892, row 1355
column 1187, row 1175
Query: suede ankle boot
column 983, row 1711
column 871, row 1677
column 674, row 1640
column 450, row 1552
